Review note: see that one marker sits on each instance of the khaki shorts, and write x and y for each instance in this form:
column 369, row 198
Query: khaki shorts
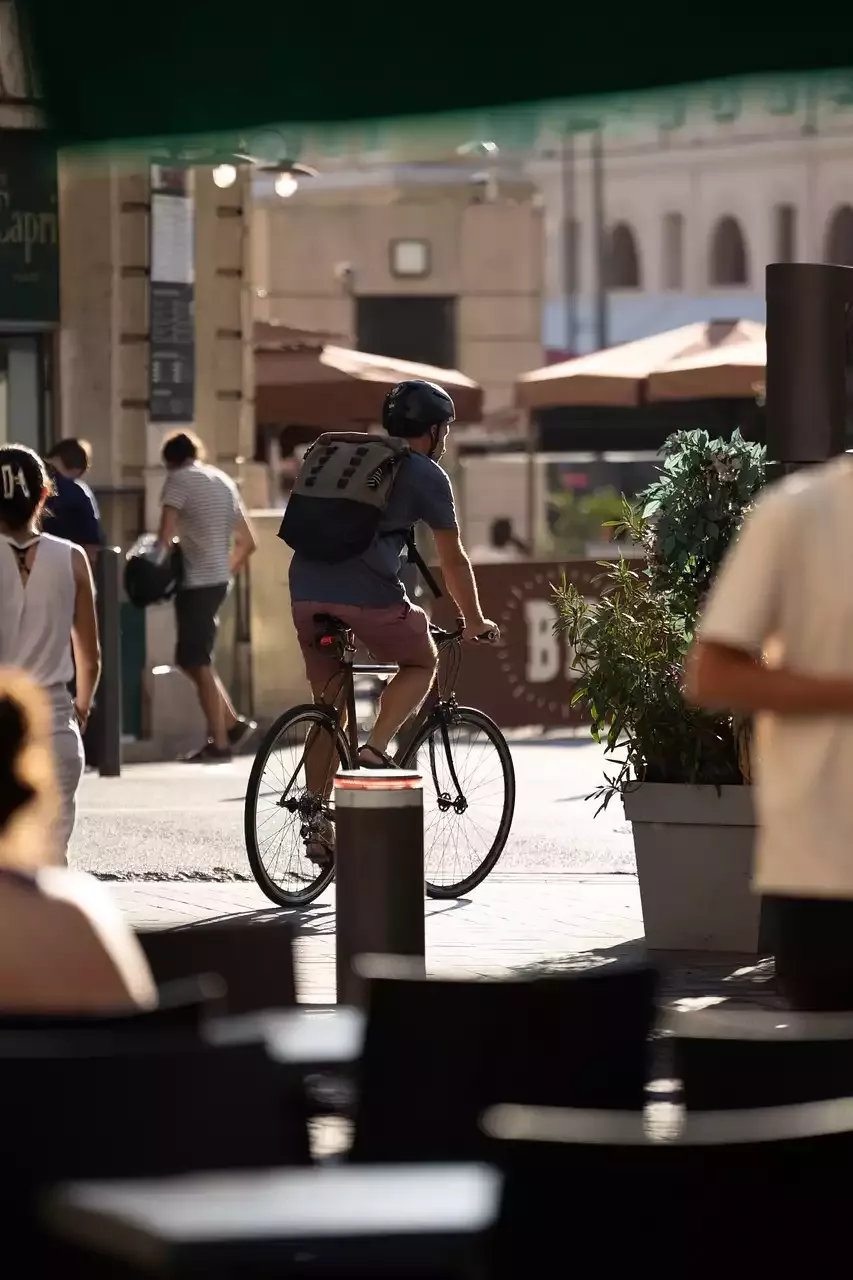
column 399, row 634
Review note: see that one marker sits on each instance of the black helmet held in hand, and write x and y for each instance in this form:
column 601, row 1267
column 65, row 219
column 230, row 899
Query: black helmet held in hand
column 414, row 407
column 152, row 574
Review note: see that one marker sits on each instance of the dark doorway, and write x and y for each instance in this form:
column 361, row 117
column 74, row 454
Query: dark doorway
column 421, row 329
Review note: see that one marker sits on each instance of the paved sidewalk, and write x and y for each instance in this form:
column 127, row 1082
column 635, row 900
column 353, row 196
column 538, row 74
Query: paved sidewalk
column 513, row 923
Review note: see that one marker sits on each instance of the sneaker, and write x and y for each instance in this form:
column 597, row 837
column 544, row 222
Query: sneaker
column 320, row 843
column 240, row 732
column 208, row 754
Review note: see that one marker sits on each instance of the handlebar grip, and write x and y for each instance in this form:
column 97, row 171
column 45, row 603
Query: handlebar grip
column 488, row 637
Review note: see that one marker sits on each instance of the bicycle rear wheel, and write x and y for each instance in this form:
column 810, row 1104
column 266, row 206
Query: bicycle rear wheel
column 469, row 798
column 282, row 811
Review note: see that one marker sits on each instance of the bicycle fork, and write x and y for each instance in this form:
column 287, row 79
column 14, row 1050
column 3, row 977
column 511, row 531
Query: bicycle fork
column 444, row 799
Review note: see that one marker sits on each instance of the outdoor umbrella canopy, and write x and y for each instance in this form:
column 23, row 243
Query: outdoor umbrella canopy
column 334, row 387
column 622, row 376
column 173, row 67
column 733, row 372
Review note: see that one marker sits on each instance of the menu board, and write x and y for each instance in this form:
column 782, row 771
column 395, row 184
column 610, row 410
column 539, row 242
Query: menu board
column 171, row 383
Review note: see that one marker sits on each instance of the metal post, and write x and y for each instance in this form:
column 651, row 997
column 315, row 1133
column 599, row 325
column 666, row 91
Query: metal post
column 599, row 226
column 109, row 690
column 533, row 442
column 570, row 242
column 809, row 359
column 379, row 868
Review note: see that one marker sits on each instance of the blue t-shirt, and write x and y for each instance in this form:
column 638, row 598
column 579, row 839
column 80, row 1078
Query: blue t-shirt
column 72, row 512
column 421, row 491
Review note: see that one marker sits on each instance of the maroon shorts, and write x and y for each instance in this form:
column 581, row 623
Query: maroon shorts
column 399, row 633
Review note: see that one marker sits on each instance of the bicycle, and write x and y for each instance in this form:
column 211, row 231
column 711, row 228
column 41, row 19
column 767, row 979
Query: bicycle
column 451, row 781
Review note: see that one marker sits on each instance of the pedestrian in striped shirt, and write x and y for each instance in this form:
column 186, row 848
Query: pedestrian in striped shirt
column 201, row 507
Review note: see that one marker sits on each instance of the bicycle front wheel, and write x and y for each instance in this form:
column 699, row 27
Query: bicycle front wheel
column 469, row 798
column 288, row 804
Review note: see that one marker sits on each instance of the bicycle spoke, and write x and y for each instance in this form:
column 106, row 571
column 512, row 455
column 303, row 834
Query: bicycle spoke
column 468, row 799
column 292, row 806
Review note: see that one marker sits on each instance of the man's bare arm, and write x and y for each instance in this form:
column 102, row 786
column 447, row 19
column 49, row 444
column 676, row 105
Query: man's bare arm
column 245, row 545
column 168, row 530
column 460, row 582
column 723, row 678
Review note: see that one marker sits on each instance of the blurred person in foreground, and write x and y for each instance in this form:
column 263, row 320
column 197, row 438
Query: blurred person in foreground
column 64, row 947
column 47, row 610
column 201, row 507
column 775, row 641
column 73, row 511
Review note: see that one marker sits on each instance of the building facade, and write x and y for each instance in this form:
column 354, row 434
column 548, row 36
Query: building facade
column 415, row 262
column 697, row 200
column 105, row 365
column 29, row 251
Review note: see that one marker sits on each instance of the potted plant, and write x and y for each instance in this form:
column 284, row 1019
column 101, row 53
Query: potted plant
column 680, row 771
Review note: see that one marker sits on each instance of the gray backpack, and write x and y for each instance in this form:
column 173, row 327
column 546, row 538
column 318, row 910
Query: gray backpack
column 340, row 497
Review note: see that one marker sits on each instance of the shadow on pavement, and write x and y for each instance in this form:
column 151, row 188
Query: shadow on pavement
column 306, row 921
column 686, row 976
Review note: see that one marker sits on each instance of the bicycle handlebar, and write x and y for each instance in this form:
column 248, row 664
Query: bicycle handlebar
column 442, row 636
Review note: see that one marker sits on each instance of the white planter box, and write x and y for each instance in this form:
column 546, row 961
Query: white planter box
column 694, row 861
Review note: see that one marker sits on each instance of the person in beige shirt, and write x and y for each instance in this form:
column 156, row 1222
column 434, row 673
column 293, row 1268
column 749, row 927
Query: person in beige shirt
column 776, row 641
column 64, row 946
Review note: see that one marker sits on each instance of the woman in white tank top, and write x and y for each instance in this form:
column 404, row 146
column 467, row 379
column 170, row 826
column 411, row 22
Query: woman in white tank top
column 47, row 605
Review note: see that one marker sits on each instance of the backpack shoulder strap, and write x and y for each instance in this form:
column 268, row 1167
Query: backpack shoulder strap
column 421, row 565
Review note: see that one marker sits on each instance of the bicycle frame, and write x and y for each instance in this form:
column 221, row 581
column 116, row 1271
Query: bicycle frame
column 439, row 703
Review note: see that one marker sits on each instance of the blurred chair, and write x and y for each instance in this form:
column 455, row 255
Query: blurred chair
column 731, row 1058
column 391, row 1221
column 86, row 1105
column 183, row 1005
column 254, row 959
column 744, row 1193
column 110, row 1105
column 438, row 1052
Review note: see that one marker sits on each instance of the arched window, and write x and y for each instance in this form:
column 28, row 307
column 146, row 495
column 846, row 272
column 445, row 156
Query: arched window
column 729, row 264
column 838, row 247
column 623, row 259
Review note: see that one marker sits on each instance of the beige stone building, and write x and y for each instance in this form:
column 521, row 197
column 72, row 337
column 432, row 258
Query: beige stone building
column 104, row 339
column 416, row 262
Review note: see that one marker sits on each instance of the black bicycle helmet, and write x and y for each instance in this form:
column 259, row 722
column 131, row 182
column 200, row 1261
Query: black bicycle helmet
column 414, row 407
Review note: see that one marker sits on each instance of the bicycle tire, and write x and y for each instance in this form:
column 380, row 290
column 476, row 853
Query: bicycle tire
column 282, row 897
column 482, row 722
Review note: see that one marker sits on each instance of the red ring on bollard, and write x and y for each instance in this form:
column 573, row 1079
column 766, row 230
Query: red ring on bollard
column 378, row 780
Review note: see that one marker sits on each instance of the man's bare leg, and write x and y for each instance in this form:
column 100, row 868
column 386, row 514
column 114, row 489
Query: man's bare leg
column 204, row 679
column 321, row 757
column 403, row 696
column 321, row 765
column 227, row 705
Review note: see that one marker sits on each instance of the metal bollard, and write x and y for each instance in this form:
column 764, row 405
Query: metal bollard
column 109, row 691
column 379, row 868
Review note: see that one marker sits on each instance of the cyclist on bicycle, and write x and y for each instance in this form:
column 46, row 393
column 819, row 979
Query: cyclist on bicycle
column 367, row 593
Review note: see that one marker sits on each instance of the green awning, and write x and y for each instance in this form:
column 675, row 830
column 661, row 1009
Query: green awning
column 189, row 69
